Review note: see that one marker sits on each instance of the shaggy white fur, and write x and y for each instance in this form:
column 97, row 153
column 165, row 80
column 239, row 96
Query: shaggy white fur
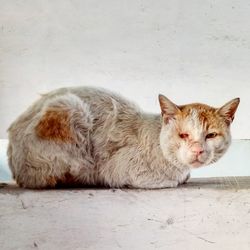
column 94, row 137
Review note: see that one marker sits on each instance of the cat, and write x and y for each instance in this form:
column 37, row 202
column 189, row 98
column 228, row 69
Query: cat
column 89, row 136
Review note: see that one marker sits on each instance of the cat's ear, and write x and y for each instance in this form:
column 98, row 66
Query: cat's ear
column 168, row 108
column 228, row 110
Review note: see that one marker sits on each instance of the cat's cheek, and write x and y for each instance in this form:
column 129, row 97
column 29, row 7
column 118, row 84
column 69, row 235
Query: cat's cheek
column 218, row 144
column 183, row 155
column 209, row 157
column 217, row 148
column 221, row 147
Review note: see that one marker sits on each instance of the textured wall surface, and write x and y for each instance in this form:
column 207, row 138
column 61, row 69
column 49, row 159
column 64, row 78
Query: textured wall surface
column 188, row 50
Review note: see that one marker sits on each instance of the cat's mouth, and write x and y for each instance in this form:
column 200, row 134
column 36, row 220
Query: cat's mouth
column 196, row 163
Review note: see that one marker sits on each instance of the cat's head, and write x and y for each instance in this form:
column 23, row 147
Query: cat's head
column 196, row 134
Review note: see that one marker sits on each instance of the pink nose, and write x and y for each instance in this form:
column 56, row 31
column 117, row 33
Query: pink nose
column 197, row 149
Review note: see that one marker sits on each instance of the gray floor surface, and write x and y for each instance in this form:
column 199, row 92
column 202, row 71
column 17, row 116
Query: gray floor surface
column 203, row 214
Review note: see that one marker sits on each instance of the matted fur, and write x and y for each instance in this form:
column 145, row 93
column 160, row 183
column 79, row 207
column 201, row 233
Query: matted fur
column 93, row 137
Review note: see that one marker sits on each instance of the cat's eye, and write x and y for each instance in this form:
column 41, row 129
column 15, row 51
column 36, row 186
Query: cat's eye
column 211, row 135
column 184, row 135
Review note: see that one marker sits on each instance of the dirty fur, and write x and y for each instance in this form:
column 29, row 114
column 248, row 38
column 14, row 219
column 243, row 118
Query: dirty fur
column 88, row 136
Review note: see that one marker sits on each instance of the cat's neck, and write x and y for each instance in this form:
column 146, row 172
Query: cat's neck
column 151, row 129
column 149, row 134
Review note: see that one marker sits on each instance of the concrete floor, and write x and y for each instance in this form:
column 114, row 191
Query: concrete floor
column 203, row 214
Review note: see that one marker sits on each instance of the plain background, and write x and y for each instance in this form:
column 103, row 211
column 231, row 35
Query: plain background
column 191, row 51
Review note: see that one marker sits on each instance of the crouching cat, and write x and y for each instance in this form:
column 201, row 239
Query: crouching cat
column 87, row 136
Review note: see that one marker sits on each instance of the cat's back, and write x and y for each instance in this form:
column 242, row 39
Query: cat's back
column 101, row 103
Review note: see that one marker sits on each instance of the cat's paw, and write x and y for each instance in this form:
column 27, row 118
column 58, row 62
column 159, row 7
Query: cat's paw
column 186, row 179
column 171, row 184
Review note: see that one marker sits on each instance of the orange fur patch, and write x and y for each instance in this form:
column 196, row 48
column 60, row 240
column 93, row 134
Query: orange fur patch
column 55, row 125
column 51, row 181
column 207, row 116
column 65, row 180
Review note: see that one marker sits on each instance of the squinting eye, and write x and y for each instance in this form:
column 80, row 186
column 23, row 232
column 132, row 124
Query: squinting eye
column 184, row 135
column 211, row 135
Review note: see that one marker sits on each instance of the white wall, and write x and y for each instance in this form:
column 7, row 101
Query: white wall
column 189, row 50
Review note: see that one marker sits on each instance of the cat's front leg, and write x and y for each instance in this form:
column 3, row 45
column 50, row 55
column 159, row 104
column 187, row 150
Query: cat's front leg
column 186, row 179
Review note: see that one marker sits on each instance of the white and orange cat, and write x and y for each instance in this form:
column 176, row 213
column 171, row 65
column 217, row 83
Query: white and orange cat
column 86, row 136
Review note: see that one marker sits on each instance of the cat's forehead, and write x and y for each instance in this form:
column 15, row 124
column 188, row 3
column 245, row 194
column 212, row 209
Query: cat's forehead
column 201, row 111
column 199, row 116
column 197, row 106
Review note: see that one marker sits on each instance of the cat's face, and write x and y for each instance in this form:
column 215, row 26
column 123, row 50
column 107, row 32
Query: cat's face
column 195, row 135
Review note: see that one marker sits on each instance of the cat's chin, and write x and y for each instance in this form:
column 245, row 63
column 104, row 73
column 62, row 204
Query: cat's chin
column 196, row 164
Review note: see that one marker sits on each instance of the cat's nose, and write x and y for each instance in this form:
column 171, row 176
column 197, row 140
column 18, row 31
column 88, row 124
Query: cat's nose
column 197, row 149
